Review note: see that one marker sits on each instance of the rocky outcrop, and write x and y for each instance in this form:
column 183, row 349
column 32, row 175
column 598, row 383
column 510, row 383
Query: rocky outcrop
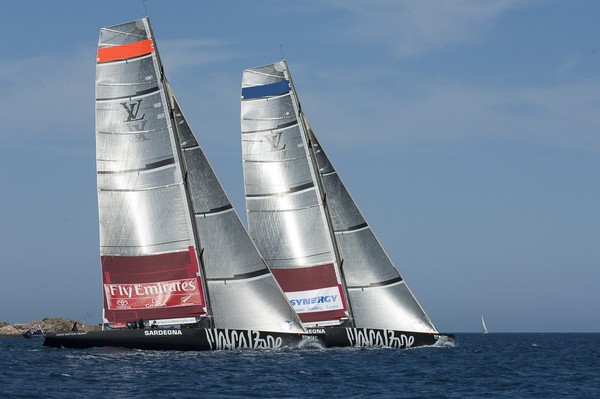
column 58, row 324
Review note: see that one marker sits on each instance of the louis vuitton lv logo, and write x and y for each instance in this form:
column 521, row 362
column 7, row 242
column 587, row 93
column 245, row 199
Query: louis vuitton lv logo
column 275, row 141
column 133, row 110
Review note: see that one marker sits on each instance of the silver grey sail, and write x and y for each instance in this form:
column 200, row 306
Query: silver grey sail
column 286, row 218
column 171, row 245
column 286, row 171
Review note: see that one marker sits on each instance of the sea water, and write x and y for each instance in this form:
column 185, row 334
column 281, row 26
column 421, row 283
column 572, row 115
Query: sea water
column 479, row 366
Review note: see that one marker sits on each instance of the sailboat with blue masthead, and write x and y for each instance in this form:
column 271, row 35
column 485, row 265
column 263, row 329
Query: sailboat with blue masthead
column 324, row 254
column 179, row 270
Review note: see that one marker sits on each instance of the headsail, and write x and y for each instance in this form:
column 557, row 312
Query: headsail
column 300, row 213
column 171, row 244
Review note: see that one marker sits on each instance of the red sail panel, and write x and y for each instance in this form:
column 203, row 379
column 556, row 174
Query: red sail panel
column 314, row 292
column 139, row 296
column 152, row 287
column 124, row 51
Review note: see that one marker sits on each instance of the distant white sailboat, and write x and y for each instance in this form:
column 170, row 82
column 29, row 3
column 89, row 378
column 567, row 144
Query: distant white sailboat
column 484, row 328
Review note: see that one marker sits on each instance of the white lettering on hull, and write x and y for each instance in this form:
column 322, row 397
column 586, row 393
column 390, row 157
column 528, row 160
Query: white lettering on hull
column 365, row 337
column 234, row 339
column 163, row 332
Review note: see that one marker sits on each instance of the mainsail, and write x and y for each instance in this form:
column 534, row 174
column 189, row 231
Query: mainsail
column 171, row 245
column 304, row 222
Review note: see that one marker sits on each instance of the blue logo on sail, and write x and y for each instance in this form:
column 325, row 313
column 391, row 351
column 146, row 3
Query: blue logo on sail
column 268, row 90
column 319, row 300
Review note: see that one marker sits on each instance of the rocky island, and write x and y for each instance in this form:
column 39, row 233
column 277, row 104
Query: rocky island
column 57, row 324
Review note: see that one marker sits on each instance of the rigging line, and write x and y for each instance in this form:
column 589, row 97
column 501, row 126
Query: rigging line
column 145, row 9
column 281, row 49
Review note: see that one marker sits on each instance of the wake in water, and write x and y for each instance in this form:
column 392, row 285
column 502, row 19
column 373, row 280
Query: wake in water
column 310, row 344
column 444, row 342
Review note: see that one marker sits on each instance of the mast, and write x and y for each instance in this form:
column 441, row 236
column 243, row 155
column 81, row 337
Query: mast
column 176, row 137
column 320, row 189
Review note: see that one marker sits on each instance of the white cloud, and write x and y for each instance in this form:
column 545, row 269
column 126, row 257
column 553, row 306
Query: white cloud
column 412, row 28
column 192, row 53
column 560, row 114
column 440, row 112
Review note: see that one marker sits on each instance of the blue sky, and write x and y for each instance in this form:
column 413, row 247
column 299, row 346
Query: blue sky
column 467, row 131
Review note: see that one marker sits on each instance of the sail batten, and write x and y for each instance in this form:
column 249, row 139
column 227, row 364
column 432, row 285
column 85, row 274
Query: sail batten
column 258, row 274
column 216, row 211
column 392, row 281
column 148, row 245
column 148, row 167
column 130, row 96
column 291, row 190
column 126, row 84
column 278, row 127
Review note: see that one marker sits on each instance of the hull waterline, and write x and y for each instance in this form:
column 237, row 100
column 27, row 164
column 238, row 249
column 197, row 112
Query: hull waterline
column 202, row 339
column 182, row 339
column 379, row 338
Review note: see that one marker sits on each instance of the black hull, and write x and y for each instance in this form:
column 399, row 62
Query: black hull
column 377, row 338
column 202, row 339
column 182, row 339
